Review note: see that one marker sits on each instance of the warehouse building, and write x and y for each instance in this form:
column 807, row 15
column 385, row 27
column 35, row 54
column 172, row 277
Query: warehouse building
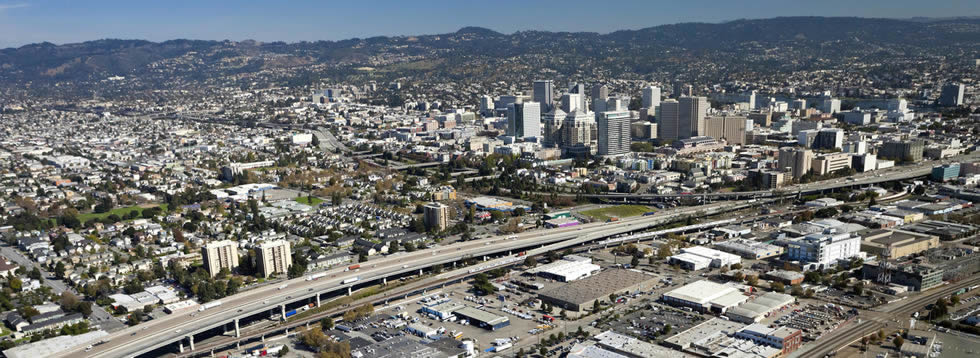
column 759, row 308
column 785, row 338
column 482, row 319
column 945, row 230
column 700, row 257
column 705, row 296
column 891, row 244
column 748, row 249
column 442, row 310
column 580, row 295
column 567, row 269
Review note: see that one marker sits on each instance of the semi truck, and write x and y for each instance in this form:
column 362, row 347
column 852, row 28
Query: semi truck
column 352, row 267
column 350, row 280
column 208, row 305
column 315, row 276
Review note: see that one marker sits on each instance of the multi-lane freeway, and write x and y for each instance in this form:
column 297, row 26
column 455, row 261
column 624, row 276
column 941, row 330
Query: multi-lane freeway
column 182, row 326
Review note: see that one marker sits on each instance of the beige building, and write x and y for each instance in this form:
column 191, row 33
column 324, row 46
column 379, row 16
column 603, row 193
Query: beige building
column 436, row 216
column 796, row 160
column 893, row 244
column 218, row 255
column 730, row 128
column 274, row 257
column 829, row 163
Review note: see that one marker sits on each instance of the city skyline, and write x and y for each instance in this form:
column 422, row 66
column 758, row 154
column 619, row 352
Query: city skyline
column 61, row 22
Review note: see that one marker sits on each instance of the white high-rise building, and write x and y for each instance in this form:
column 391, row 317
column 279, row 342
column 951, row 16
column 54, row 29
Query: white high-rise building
column 830, row 105
column 524, row 119
column 571, row 102
column 614, row 133
column 651, row 97
column 579, row 89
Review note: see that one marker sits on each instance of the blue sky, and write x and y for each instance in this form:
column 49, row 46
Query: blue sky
column 68, row 21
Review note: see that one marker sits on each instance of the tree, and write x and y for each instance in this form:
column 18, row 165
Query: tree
column 667, row 329
column 543, row 351
column 596, row 307
column 59, row 270
column 326, row 323
column 530, row 262
column 635, row 262
column 738, row 276
column 898, row 341
column 15, row 284
column 778, row 287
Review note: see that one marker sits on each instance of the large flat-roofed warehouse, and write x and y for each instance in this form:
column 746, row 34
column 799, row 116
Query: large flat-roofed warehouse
column 482, row 319
column 705, row 296
column 700, row 257
column 567, row 269
column 896, row 243
column 580, row 295
column 749, row 249
column 757, row 309
column 945, row 230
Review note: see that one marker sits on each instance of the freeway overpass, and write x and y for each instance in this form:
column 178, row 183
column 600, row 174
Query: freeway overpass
column 182, row 326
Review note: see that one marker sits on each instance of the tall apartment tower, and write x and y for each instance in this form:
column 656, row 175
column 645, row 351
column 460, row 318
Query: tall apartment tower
column 551, row 124
column 952, row 94
column 218, row 255
column 544, row 93
column 524, row 119
column 274, row 257
column 614, row 133
column 797, row 160
column 436, row 215
column 651, row 97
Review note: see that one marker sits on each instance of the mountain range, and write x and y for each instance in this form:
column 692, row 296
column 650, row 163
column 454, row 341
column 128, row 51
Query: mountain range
column 688, row 50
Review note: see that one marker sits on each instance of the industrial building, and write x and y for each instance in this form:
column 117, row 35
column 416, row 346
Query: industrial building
column 891, row 244
column 566, row 270
column 756, row 310
column 944, row 229
column 700, row 257
column 785, row 338
column 488, row 203
column 482, row 319
column 705, row 296
column 748, row 249
column 580, row 295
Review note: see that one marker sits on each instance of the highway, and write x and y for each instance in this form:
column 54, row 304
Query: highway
column 861, row 179
column 900, row 310
column 170, row 329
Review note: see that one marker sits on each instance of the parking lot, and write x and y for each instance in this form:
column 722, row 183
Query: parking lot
column 815, row 319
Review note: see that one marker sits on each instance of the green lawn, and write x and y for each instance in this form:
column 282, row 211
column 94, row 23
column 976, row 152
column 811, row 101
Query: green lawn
column 620, row 211
column 122, row 212
column 311, row 201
